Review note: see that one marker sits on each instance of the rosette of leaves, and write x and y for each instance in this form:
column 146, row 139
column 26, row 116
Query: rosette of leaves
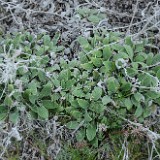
column 29, row 81
column 116, row 78
column 111, row 78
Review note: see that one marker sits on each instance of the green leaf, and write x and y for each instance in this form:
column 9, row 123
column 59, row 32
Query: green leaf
column 74, row 103
column 128, row 41
column 106, row 99
column 156, row 59
column 148, row 80
column 96, row 75
column 139, row 47
column 33, row 108
column 56, row 38
column 120, row 55
column 158, row 74
column 76, row 114
column 131, row 72
column 14, row 116
column 33, row 98
column 134, row 101
column 46, row 39
column 83, row 103
column 83, row 58
column 96, row 93
column 43, row 112
column 85, row 11
column 109, row 66
column 112, row 84
column 44, row 60
column 129, row 51
column 49, row 104
column 65, row 75
column 122, row 111
column 46, row 91
column 107, row 52
column 10, row 87
column 3, row 112
column 8, row 101
column 139, row 58
column 106, row 40
column 139, row 97
column 97, row 107
column 139, row 111
column 152, row 94
column 78, row 93
column 91, row 132
column 80, row 135
column 41, row 76
column 97, row 54
column 94, row 18
column 128, row 104
column 149, row 59
column 59, row 48
column 146, row 113
column 126, row 87
column 70, row 83
column 87, row 117
column 72, row 125
column 56, row 82
column 96, row 61
column 117, row 47
column 94, row 142
column 87, row 66
column 135, row 65
column 84, row 43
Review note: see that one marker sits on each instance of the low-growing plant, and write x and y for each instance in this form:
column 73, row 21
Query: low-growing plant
column 70, row 153
column 92, row 15
column 111, row 73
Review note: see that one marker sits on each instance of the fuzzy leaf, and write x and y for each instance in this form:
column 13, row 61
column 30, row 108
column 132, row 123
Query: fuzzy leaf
column 80, row 135
column 107, row 52
column 128, row 104
column 87, row 66
column 94, row 18
column 106, row 99
column 112, row 84
column 96, row 93
column 97, row 54
column 117, row 47
column 78, row 93
column 129, row 51
column 3, row 112
column 91, row 132
column 83, row 103
column 33, row 98
column 109, row 66
column 158, row 74
column 139, row 111
column 8, row 101
column 84, row 43
column 14, row 117
column 87, row 117
column 72, row 125
column 139, row 97
column 46, row 91
column 49, row 104
column 42, row 112
column 97, row 61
